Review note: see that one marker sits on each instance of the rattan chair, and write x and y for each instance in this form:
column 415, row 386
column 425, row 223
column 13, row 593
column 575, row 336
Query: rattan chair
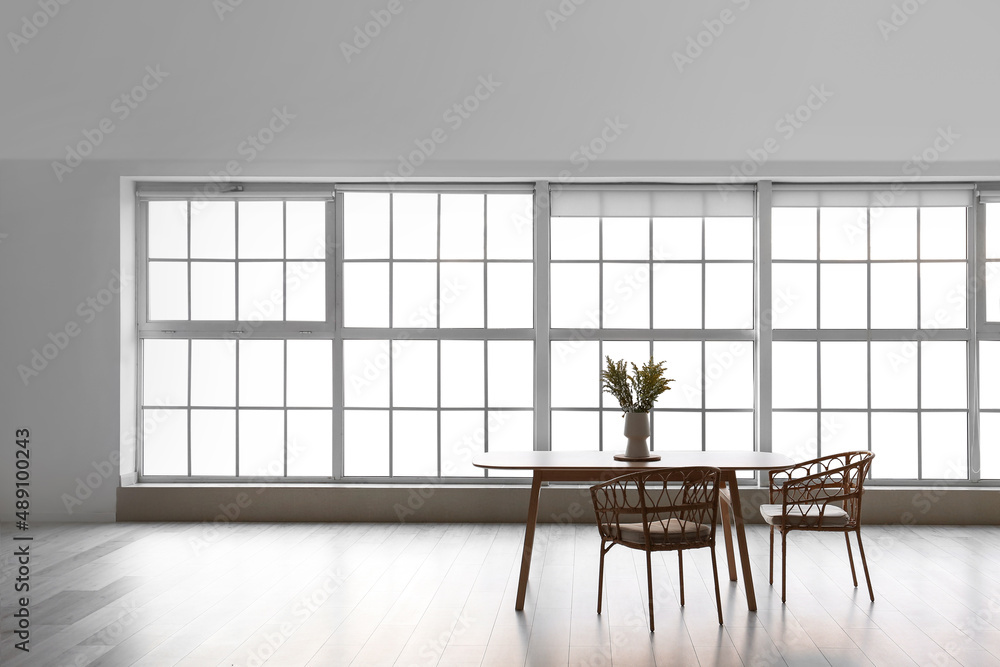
column 823, row 494
column 671, row 509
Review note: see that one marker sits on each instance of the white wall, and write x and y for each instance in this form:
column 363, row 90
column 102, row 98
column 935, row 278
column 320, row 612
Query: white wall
column 890, row 97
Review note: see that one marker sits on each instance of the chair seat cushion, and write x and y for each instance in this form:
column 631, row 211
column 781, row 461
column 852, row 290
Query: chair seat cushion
column 805, row 516
column 672, row 531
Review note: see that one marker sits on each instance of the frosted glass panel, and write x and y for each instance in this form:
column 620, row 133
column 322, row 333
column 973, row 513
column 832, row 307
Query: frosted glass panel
column 575, row 430
column 575, row 238
column 575, row 298
column 509, row 296
column 262, row 443
column 843, row 432
column 989, row 374
column 510, row 431
column 262, row 372
column 944, row 445
column 729, row 431
column 414, row 374
column 894, row 375
column 793, row 296
column 310, row 443
column 576, row 367
column 625, row 238
column 511, row 374
column 843, row 297
column 366, row 373
column 989, row 445
column 462, row 226
column 942, row 295
column 843, row 233
column 728, row 238
column 261, row 233
column 894, row 233
column 683, row 362
column 305, row 230
column 310, row 373
column 213, row 290
column 509, row 223
column 463, row 436
column 942, row 374
column 894, row 441
column 462, row 294
column 728, row 374
column 463, row 367
column 794, row 435
column 213, row 442
column 793, row 374
column 626, row 296
column 992, row 291
column 894, row 296
column 414, row 295
column 168, row 229
column 165, row 372
column 305, row 286
column 676, row 296
column 164, row 442
column 677, row 238
column 366, row 225
column 942, row 232
column 261, row 291
column 414, row 443
column 168, row 291
column 366, row 295
column 213, row 372
column 366, row 443
column 729, row 296
column 844, row 373
column 676, row 431
column 414, row 225
column 213, row 230
column 793, row 233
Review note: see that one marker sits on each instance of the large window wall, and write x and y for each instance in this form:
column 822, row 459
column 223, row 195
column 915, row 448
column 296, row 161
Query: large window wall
column 315, row 333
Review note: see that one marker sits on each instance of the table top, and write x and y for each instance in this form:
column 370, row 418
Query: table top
column 605, row 460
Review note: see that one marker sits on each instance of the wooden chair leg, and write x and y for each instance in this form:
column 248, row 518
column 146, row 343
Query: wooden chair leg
column 850, row 558
column 649, row 582
column 864, row 564
column 680, row 568
column 770, row 561
column 783, row 559
column 600, row 579
column 715, row 573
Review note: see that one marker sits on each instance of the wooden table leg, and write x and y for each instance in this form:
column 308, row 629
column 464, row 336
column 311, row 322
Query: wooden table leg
column 529, row 539
column 741, row 537
column 727, row 531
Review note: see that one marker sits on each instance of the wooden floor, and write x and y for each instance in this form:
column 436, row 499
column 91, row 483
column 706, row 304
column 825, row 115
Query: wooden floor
column 421, row 594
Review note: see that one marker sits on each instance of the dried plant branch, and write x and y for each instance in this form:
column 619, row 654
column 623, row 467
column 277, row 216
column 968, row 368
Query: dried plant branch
column 636, row 392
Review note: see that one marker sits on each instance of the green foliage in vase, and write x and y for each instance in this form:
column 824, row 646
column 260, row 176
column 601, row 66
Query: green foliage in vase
column 636, row 392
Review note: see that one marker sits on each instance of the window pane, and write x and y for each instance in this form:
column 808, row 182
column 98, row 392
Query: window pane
column 576, row 367
column 942, row 374
column 728, row 238
column 366, row 443
column 613, row 431
column 992, row 291
column 213, row 290
column 793, row 233
column 414, row 225
column 213, row 229
column 942, row 233
column 168, row 229
column 626, row 296
column 462, row 226
column 575, row 430
column 510, row 373
column 894, row 441
column 625, row 238
column 310, row 373
column 213, row 442
column 993, row 231
column 676, row 296
column 262, row 372
column 414, row 373
column 511, row 431
column 366, row 295
column 894, row 296
column 261, row 233
column 168, row 291
column 575, row 298
column 794, row 435
column 463, row 380
column 164, row 442
column 414, row 295
column 305, row 285
column 262, row 443
column 261, row 291
column 676, row 431
column 894, row 374
column 366, row 225
column 366, row 373
column 462, row 294
column 843, row 432
column 414, row 443
column 793, row 368
column 843, row 296
column 310, row 443
column 844, row 373
column 989, row 378
column 683, row 360
column 944, row 445
column 508, row 226
column 942, row 295
column 676, row 238
column 575, row 238
column 164, row 372
column 793, row 296
column 462, row 438
column 729, row 431
column 894, row 233
column 729, row 374
column 213, row 373
column 509, row 297
column 729, row 296
column 989, row 445
column 843, row 233
column 305, row 230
